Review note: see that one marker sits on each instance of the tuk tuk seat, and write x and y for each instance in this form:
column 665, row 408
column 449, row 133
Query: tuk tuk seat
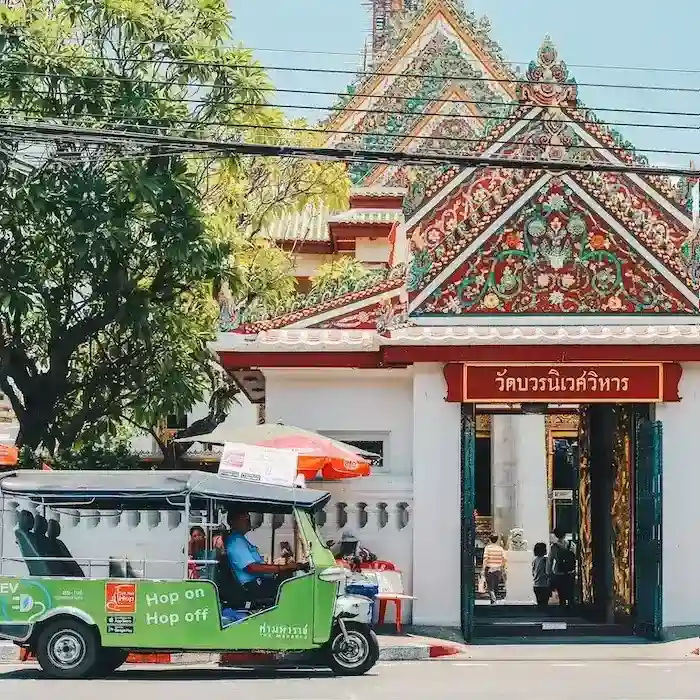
column 26, row 541
column 68, row 566
column 231, row 593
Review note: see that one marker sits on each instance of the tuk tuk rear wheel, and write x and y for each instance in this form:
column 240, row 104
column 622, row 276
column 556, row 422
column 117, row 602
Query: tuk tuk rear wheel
column 67, row 648
column 355, row 655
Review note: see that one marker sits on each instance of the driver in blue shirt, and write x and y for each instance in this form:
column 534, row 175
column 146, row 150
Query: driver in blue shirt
column 259, row 579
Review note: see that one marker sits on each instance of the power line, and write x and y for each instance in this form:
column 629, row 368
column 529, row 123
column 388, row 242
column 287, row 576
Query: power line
column 118, row 119
column 683, row 127
column 522, row 81
column 339, row 154
column 339, row 71
column 329, row 93
column 359, row 54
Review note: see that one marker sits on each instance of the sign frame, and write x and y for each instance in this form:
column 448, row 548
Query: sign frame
column 664, row 377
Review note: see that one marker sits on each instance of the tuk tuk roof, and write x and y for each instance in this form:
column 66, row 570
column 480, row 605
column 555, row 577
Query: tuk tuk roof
column 156, row 484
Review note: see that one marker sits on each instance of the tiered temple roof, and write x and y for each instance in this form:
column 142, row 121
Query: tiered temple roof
column 482, row 242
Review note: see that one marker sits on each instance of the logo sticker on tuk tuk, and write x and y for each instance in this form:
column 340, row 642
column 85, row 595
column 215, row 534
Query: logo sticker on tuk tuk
column 120, row 597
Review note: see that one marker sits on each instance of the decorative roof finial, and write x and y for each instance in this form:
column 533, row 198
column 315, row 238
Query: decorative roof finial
column 549, row 81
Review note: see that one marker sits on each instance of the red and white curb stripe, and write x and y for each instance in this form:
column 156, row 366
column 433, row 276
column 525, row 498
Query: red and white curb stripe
column 9, row 653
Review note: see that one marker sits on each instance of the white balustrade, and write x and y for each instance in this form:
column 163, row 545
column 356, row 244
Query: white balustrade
column 379, row 518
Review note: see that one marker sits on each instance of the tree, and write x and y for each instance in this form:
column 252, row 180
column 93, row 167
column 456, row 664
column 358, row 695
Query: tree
column 247, row 197
column 112, row 254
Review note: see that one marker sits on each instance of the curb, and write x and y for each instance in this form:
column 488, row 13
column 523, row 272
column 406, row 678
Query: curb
column 398, row 652
column 418, row 652
column 9, row 653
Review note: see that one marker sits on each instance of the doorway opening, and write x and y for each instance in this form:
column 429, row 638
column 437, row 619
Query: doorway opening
column 582, row 478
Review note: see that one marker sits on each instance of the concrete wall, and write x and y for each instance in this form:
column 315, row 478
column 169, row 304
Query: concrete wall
column 348, row 403
column 370, row 250
column 681, row 500
column 437, row 497
column 423, row 439
column 153, row 542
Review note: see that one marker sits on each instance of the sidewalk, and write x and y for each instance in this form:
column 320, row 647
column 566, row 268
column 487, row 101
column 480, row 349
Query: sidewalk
column 682, row 649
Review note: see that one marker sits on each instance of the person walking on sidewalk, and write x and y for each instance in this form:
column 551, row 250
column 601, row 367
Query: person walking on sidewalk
column 493, row 567
column 561, row 567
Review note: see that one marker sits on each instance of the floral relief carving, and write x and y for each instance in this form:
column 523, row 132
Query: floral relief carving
column 555, row 256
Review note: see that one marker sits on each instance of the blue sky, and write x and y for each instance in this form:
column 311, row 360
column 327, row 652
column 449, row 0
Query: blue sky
column 637, row 33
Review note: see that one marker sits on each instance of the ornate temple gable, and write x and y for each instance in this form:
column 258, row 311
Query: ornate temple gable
column 560, row 130
column 391, row 117
column 405, row 15
column 451, row 124
column 463, row 211
column 382, row 316
column 558, row 253
column 321, row 307
column 439, row 44
column 411, row 28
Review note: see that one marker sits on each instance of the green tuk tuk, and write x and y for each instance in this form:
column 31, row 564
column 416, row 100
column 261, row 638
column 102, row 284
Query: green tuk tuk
column 94, row 565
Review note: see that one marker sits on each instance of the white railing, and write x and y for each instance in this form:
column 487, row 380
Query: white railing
column 380, row 517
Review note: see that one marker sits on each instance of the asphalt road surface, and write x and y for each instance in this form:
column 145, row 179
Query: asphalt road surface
column 422, row 680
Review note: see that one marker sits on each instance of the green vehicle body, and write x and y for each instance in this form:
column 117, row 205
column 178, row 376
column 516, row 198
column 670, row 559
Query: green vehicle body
column 310, row 612
column 178, row 614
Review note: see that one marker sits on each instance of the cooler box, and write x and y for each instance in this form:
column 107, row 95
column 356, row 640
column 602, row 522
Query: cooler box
column 365, row 588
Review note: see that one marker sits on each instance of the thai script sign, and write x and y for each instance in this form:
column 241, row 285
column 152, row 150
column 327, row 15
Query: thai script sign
column 268, row 631
column 562, row 383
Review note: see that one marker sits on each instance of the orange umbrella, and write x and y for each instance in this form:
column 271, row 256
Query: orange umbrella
column 332, row 468
column 318, row 455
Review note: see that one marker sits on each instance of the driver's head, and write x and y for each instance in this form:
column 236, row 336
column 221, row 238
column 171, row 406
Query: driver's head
column 239, row 521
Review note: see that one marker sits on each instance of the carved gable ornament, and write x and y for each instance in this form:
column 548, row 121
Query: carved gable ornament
column 549, row 82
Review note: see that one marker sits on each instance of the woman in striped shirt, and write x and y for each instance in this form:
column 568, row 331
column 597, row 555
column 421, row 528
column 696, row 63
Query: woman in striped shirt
column 493, row 567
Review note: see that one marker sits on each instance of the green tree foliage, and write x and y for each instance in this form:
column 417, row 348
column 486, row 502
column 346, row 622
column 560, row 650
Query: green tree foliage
column 115, row 457
column 112, row 255
column 344, row 272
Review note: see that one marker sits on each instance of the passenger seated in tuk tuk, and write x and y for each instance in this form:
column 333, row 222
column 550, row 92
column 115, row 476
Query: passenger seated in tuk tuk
column 258, row 579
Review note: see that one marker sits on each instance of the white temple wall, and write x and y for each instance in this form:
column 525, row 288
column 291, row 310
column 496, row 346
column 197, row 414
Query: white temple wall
column 348, row 404
column 681, row 495
column 359, row 405
column 436, row 500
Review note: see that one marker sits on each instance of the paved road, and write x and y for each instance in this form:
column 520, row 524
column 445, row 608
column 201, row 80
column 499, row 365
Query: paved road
column 433, row 680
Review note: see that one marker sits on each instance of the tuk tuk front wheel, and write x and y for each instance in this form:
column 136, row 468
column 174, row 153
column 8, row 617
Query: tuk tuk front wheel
column 355, row 653
column 67, row 648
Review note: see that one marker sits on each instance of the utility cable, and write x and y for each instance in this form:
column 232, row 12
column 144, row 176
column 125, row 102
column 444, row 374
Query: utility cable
column 340, row 154
column 119, row 119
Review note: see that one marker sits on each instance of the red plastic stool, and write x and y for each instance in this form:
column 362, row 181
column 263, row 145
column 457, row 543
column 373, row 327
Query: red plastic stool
column 398, row 604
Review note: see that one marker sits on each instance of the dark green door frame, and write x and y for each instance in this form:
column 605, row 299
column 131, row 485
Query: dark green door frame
column 468, row 522
column 648, row 528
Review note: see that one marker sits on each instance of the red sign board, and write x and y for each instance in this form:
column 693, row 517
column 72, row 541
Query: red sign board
column 562, row 383
column 120, row 597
